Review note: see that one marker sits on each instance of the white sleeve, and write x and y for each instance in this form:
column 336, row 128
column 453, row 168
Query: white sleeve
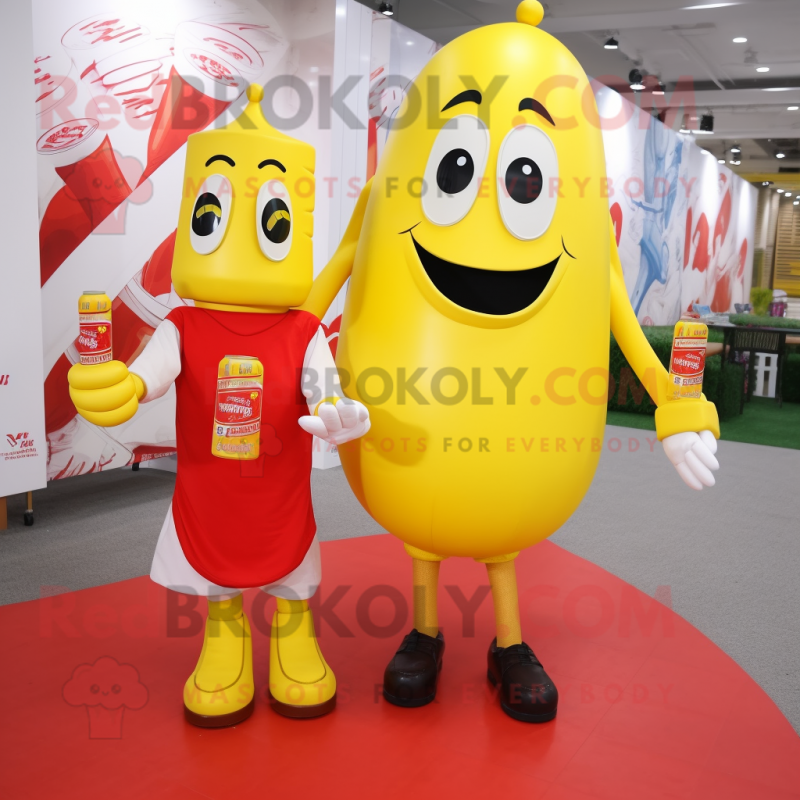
column 320, row 378
column 160, row 362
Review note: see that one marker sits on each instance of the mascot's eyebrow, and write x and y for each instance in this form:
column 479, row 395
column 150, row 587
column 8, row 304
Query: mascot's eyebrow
column 469, row 96
column 272, row 162
column 227, row 159
column 529, row 104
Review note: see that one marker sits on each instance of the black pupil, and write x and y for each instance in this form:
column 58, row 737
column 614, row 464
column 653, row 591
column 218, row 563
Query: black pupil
column 523, row 180
column 455, row 171
column 276, row 221
column 207, row 214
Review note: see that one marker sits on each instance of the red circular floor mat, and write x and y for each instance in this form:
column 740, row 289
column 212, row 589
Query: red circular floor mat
column 649, row 707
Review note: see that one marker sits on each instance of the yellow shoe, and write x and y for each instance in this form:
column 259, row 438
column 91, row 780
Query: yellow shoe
column 301, row 684
column 220, row 691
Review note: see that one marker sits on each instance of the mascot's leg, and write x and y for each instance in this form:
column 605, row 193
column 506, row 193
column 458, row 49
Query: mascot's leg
column 526, row 691
column 220, row 691
column 412, row 675
column 301, row 684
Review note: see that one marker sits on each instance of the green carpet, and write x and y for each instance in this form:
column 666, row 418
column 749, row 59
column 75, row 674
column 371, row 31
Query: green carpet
column 761, row 423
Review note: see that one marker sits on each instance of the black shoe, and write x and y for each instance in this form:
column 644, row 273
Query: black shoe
column 526, row 691
column 411, row 677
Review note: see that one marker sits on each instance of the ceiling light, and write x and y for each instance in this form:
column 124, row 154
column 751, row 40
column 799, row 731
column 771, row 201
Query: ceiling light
column 708, row 5
column 780, row 155
column 780, row 89
column 659, row 88
column 734, row 162
column 611, row 44
column 707, row 123
column 386, row 9
column 736, row 149
column 779, row 191
column 762, row 69
column 635, row 77
column 796, row 203
column 739, row 40
column 766, row 183
column 792, row 108
column 720, row 161
column 787, row 194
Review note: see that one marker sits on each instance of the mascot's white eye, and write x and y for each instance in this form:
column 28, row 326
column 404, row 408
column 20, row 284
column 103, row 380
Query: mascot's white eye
column 455, row 169
column 274, row 220
column 210, row 214
column 526, row 168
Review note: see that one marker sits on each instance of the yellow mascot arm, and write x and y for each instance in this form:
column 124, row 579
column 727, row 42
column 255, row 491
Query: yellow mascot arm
column 676, row 416
column 330, row 281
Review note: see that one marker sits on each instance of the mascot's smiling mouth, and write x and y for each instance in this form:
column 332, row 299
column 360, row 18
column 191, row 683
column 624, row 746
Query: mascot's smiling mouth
column 485, row 291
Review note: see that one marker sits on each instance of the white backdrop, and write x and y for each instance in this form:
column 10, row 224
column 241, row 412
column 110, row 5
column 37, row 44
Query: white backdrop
column 23, row 448
column 685, row 224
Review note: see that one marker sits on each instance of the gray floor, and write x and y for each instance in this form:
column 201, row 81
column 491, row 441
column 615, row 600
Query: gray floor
column 730, row 555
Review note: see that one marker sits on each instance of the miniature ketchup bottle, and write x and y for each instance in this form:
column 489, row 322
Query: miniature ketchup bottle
column 94, row 336
column 688, row 359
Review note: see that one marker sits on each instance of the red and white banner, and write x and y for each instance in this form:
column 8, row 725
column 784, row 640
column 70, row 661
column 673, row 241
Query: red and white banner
column 23, row 448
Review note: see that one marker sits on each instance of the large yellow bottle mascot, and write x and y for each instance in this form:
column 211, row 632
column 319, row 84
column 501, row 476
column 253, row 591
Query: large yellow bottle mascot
column 484, row 283
column 249, row 375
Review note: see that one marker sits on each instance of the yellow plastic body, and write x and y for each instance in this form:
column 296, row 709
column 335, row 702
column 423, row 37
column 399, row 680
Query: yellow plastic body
column 237, row 275
column 491, row 473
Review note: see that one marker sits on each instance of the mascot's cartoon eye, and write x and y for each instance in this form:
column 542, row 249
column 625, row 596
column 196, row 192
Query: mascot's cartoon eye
column 274, row 220
column 94, row 688
column 116, row 688
column 210, row 214
column 207, row 214
column 523, row 180
column 527, row 165
column 455, row 169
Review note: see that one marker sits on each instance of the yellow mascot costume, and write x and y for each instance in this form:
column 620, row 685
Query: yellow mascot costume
column 483, row 285
column 241, row 514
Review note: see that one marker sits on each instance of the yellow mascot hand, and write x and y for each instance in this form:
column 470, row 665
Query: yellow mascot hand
column 105, row 394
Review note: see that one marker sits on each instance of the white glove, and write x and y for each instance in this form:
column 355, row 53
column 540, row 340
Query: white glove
column 337, row 424
column 692, row 454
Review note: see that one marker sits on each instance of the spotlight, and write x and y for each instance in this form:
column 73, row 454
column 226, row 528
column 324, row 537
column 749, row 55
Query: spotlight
column 780, row 155
column 793, row 108
column 736, row 149
column 787, row 194
column 720, row 161
column 707, row 124
column 779, row 191
column 611, row 44
column 659, row 89
column 766, row 183
column 734, row 162
column 635, row 77
column 386, row 9
column 762, row 69
column 739, row 40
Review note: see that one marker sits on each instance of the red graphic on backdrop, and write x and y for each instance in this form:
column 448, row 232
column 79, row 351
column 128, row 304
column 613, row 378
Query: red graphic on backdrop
column 94, row 187
column 184, row 110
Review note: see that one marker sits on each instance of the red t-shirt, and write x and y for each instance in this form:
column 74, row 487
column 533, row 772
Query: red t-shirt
column 243, row 523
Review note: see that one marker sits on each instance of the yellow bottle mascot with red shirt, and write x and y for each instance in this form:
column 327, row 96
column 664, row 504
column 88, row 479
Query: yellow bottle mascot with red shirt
column 250, row 377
